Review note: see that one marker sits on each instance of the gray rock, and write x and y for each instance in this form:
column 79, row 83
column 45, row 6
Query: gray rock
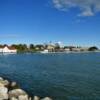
column 1, row 78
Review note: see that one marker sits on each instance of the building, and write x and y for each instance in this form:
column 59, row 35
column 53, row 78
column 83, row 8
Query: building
column 76, row 49
column 66, row 49
column 50, row 48
column 7, row 49
column 84, row 48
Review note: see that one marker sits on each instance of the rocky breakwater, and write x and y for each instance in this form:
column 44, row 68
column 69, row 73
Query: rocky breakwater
column 11, row 91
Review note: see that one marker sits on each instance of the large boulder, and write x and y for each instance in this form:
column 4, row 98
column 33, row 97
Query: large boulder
column 16, row 93
column 3, row 93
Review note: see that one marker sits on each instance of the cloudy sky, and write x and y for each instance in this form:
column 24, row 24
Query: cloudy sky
column 73, row 22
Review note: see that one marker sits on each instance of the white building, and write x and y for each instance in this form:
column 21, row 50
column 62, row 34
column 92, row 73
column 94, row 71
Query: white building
column 76, row 49
column 67, row 49
column 45, row 51
column 7, row 49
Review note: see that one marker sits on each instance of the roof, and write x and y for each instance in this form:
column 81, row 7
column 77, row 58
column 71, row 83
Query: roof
column 9, row 47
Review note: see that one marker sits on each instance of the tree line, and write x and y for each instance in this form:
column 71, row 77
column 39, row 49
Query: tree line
column 41, row 47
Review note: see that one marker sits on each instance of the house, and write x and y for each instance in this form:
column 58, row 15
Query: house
column 76, row 49
column 66, row 49
column 7, row 49
column 50, row 48
column 84, row 48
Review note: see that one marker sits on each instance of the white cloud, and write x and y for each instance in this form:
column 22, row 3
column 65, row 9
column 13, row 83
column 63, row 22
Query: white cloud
column 86, row 7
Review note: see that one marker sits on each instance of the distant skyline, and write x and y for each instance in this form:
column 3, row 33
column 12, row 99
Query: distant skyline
column 73, row 22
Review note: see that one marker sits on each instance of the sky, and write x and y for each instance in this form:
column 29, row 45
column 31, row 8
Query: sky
column 72, row 22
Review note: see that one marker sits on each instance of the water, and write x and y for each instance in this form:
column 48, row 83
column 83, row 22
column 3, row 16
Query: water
column 60, row 76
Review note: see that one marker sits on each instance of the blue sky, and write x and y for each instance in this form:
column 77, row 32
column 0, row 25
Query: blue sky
column 72, row 22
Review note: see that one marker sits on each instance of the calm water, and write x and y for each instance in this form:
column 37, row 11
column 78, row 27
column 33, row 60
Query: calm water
column 60, row 76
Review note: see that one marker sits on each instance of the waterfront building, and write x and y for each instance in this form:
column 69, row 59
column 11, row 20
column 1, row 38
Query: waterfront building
column 7, row 49
column 50, row 48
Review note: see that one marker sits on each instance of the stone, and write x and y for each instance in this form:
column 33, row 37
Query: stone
column 46, row 98
column 36, row 98
column 16, row 93
column 3, row 93
column 13, row 84
column 1, row 78
column 5, row 82
column 13, row 98
column 1, row 85
column 23, row 97
column 3, row 90
column 30, row 98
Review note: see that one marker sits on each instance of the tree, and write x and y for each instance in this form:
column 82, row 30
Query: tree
column 31, row 47
column 20, row 47
column 57, row 47
column 93, row 48
column 39, row 46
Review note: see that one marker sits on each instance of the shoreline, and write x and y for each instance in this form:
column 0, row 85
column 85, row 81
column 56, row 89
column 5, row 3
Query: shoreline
column 10, row 90
column 52, row 52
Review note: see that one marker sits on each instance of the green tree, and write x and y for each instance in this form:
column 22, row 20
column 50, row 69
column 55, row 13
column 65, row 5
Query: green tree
column 93, row 48
column 31, row 47
column 20, row 47
column 41, row 47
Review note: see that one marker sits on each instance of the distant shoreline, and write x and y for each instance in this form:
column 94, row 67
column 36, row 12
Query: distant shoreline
column 52, row 52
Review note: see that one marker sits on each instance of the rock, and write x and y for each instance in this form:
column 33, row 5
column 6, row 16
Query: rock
column 13, row 98
column 13, row 84
column 36, row 98
column 23, row 97
column 3, row 90
column 1, row 85
column 30, row 98
column 46, row 98
column 16, row 93
column 4, row 82
column 3, row 93
column 1, row 78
